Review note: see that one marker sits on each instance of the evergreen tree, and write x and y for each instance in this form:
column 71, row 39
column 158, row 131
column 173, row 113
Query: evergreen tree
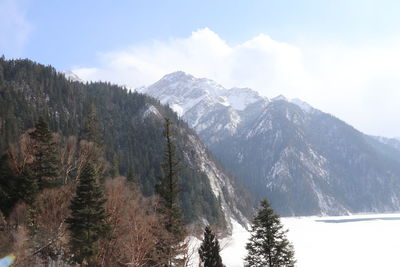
column 87, row 223
column 132, row 177
column 8, row 186
column 27, row 186
column 268, row 246
column 168, row 190
column 209, row 250
column 114, row 170
column 91, row 131
column 15, row 187
column 45, row 164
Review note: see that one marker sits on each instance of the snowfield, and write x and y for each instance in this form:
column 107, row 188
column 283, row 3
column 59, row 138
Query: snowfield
column 345, row 241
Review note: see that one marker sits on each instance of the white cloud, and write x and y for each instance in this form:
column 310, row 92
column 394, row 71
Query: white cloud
column 357, row 84
column 14, row 27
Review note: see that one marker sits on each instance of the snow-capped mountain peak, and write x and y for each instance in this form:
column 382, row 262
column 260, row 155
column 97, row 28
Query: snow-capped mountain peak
column 279, row 97
column 208, row 107
column 183, row 91
column 186, row 93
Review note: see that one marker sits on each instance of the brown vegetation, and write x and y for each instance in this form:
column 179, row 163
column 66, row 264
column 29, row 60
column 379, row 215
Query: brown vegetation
column 135, row 226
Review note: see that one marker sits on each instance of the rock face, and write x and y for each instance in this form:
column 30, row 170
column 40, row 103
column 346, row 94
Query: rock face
column 303, row 160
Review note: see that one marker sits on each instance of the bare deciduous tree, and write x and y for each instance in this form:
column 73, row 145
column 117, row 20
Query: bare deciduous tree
column 42, row 236
column 135, row 226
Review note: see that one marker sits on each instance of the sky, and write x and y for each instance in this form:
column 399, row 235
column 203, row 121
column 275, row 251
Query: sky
column 340, row 56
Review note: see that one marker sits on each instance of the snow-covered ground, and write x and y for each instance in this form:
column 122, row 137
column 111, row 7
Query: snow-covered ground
column 345, row 241
column 234, row 247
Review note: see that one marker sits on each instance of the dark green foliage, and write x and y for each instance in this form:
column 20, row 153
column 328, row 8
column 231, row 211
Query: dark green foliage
column 27, row 186
column 168, row 190
column 15, row 187
column 91, row 131
column 87, row 223
column 46, row 163
column 209, row 250
column 8, row 186
column 132, row 177
column 114, row 170
column 268, row 246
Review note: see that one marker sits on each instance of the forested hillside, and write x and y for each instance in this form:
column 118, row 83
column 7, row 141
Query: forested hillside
column 131, row 132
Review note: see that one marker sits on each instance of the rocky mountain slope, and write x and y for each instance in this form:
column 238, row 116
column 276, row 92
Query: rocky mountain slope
column 304, row 160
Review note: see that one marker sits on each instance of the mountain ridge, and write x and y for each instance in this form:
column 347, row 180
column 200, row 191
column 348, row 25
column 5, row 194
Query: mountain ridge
column 304, row 160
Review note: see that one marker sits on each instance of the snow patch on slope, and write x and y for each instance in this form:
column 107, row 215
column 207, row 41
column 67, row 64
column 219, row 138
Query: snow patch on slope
column 241, row 98
column 219, row 182
column 151, row 110
column 71, row 76
column 303, row 105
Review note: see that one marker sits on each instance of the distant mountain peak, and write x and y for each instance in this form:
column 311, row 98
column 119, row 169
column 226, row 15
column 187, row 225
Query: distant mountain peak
column 71, row 76
column 177, row 75
column 279, row 97
column 183, row 91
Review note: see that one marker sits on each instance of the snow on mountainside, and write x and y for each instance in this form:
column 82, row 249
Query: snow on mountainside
column 305, row 161
column 210, row 109
column 221, row 184
column 303, row 105
column 71, row 76
column 184, row 92
column 195, row 98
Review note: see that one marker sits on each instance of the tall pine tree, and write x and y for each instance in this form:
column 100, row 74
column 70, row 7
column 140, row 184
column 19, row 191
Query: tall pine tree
column 87, row 223
column 168, row 189
column 268, row 246
column 46, row 162
column 209, row 250
column 91, row 131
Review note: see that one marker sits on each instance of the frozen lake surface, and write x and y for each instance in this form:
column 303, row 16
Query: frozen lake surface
column 345, row 241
